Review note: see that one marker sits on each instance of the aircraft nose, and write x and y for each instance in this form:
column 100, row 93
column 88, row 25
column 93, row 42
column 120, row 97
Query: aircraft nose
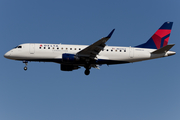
column 6, row 55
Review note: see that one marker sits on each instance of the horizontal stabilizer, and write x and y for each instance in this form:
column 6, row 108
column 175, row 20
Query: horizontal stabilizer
column 163, row 49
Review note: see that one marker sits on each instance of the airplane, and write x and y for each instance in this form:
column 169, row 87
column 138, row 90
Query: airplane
column 73, row 57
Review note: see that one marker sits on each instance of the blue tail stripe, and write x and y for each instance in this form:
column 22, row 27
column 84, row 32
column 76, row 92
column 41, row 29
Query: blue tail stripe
column 167, row 26
column 149, row 44
column 162, row 40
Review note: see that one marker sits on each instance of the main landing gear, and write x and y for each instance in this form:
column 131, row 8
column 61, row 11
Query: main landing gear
column 87, row 71
column 26, row 62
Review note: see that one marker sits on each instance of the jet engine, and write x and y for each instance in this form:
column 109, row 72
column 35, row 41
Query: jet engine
column 69, row 57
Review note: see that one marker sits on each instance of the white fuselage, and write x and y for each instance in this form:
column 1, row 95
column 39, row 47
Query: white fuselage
column 53, row 53
column 72, row 57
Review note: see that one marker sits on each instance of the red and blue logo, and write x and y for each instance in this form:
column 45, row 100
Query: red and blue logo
column 161, row 38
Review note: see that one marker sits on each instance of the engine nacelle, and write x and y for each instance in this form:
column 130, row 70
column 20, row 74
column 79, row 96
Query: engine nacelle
column 69, row 57
column 68, row 67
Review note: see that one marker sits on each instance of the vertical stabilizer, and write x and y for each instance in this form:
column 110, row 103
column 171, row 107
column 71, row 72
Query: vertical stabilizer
column 160, row 37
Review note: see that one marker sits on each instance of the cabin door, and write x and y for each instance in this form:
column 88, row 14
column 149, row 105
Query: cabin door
column 31, row 48
column 131, row 52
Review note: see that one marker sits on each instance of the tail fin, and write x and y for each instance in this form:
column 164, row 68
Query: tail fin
column 160, row 37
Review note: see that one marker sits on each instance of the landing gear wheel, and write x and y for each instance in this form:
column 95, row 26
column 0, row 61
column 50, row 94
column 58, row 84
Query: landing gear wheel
column 87, row 72
column 26, row 62
column 25, row 68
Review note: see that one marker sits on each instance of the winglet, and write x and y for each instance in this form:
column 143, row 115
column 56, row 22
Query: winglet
column 110, row 34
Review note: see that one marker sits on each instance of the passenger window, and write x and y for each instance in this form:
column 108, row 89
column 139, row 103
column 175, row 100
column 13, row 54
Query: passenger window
column 57, row 48
column 44, row 47
column 119, row 50
column 107, row 49
column 74, row 48
column 124, row 50
column 111, row 50
column 39, row 47
column 70, row 48
column 79, row 48
column 62, row 48
column 48, row 47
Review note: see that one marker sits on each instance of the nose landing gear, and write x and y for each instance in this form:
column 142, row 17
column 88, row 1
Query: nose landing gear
column 25, row 68
column 26, row 62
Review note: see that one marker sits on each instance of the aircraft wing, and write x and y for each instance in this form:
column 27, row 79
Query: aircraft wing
column 92, row 50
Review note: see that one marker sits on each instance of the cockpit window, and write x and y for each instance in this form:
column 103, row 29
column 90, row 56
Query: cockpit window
column 18, row 47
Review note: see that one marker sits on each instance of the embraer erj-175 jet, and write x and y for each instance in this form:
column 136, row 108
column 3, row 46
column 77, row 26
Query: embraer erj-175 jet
column 72, row 57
